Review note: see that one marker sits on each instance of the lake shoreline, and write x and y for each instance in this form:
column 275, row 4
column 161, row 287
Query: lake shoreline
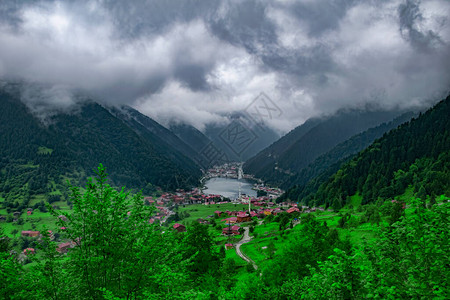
column 228, row 187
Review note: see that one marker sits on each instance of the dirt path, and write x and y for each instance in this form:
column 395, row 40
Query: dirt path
column 245, row 239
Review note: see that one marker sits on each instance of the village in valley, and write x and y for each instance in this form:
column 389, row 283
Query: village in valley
column 258, row 207
column 232, row 221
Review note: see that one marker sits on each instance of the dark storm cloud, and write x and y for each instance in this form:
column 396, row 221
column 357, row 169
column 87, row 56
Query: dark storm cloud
column 196, row 61
column 410, row 18
column 139, row 18
column 244, row 24
column 320, row 15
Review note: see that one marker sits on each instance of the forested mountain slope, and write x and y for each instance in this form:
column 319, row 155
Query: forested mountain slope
column 417, row 154
column 307, row 142
column 36, row 157
column 309, row 179
column 191, row 136
column 161, row 138
column 267, row 158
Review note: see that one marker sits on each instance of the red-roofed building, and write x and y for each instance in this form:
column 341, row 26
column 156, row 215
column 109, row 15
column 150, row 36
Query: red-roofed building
column 293, row 209
column 243, row 217
column 179, row 227
column 231, row 230
column 29, row 251
column 64, row 247
column 228, row 246
column 231, row 220
column 29, row 233
column 218, row 212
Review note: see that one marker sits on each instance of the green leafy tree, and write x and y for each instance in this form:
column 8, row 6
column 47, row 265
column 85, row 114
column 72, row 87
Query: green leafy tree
column 116, row 246
column 397, row 212
column 271, row 250
column 197, row 248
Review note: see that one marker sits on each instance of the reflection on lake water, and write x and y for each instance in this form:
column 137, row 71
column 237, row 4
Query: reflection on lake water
column 228, row 187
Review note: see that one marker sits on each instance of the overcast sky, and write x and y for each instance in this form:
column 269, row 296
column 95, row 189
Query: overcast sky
column 197, row 61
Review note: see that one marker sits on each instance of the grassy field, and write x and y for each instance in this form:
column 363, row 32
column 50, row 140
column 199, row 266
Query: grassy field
column 37, row 221
column 266, row 230
column 237, row 259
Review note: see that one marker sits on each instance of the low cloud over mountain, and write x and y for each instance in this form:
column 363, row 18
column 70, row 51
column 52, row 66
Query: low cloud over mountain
column 198, row 61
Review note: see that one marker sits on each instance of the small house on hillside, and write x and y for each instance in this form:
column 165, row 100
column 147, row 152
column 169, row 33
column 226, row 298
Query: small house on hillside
column 268, row 211
column 231, row 220
column 179, row 227
column 64, row 247
column 243, row 217
column 29, row 233
column 62, row 218
column 293, row 209
column 231, row 230
column 29, row 251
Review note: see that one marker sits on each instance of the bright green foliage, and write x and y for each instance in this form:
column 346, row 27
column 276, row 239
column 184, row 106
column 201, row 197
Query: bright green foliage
column 115, row 244
column 338, row 278
column 409, row 260
column 413, row 255
column 197, row 248
column 306, row 247
column 10, row 276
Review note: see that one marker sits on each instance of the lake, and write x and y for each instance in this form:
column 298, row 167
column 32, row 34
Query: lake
column 228, row 187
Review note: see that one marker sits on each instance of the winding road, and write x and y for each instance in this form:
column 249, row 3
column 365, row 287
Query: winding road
column 245, row 239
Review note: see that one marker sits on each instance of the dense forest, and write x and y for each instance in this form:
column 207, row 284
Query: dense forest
column 415, row 155
column 39, row 156
column 331, row 160
column 118, row 254
column 283, row 160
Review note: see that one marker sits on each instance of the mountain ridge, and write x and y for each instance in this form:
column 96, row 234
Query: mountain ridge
column 71, row 145
column 300, row 147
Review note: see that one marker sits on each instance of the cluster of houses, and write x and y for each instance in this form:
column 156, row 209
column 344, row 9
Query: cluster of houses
column 34, row 234
column 182, row 197
column 272, row 193
column 61, row 248
column 226, row 170
column 234, row 217
column 160, row 215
